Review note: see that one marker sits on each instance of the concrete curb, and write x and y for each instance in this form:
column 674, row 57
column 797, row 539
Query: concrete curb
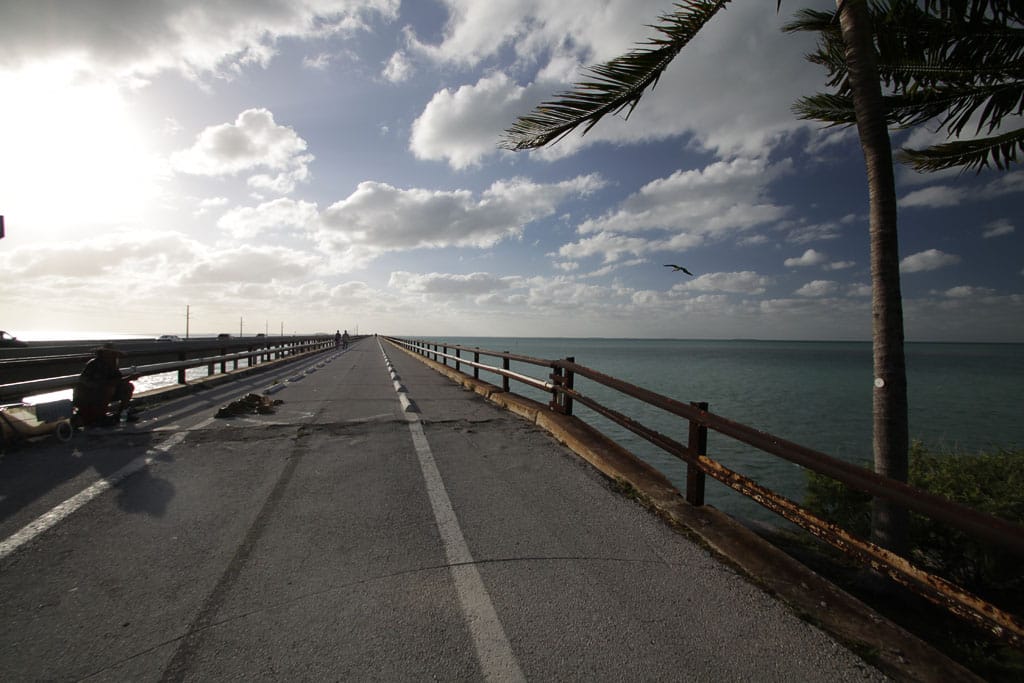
column 895, row 651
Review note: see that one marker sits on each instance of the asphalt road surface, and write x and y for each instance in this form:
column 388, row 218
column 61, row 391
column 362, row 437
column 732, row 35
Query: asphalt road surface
column 343, row 538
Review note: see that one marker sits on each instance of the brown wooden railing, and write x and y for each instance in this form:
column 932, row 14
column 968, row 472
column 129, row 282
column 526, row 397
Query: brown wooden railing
column 561, row 386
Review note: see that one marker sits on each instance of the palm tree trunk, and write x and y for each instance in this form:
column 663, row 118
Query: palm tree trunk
column 889, row 523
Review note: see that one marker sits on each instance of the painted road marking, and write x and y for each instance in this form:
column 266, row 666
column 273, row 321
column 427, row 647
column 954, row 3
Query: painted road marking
column 74, row 503
column 493, row 651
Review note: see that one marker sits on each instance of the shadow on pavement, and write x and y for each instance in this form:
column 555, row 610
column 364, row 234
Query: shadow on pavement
column 35, row 469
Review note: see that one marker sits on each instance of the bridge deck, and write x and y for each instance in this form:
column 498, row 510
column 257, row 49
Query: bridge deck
column 343, row 538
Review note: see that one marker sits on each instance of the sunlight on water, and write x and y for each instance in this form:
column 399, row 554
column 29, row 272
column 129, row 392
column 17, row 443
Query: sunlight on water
column 146, row 383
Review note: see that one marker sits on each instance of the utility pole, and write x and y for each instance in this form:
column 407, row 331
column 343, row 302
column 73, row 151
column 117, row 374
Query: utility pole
column 187, row 317
column 239, row 327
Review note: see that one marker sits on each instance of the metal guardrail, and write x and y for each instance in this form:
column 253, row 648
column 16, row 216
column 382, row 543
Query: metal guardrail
column 16, row 391
column 561, row 387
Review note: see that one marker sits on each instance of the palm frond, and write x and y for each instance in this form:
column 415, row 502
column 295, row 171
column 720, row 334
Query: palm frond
column 1001, row 150
column 835, row 110
column 953, row 63
column 615, row 85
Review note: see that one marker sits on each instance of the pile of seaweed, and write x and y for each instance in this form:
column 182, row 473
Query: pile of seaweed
column 250, row 404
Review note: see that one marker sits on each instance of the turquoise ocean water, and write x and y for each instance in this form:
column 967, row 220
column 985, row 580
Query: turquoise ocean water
column 817, row 394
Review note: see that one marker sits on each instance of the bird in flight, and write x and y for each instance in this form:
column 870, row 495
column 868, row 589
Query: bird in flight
column 674, row 267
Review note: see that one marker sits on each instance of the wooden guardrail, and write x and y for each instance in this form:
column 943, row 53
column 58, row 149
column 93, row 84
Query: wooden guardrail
column 45, row 373
column 561, row 386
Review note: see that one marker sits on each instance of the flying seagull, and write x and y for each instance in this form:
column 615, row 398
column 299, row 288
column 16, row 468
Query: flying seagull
column 674, row 267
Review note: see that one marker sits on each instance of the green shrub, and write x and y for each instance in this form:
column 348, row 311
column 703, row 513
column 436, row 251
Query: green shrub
column 988, row 482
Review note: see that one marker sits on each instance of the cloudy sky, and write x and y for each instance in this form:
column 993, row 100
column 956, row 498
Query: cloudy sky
column 310, row 165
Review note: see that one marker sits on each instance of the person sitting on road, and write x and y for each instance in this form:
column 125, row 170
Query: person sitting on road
column 100, row 384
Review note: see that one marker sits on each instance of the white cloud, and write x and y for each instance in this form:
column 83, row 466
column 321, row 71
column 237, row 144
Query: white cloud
column 194, row 37
column 398, row 69
column 448, row 284
column 123, row 255
column 804, row 233
column 968, row 292
column 743, row 282
column 808, row 258
column 320, row 62
column 935, row 197
column 476, row 31
column 260, row 264
column 859, row 290
column 998, row 228
column 724, row 197
column 734, row 113
column 609, row 246
column 939, row 196
column 818, row 288
column 280, row 215
column 253, row 141
column 378, row 217
column 210, row 203
column 839, row 265
column 686, row 209
column 462, row 126
column 930, row 259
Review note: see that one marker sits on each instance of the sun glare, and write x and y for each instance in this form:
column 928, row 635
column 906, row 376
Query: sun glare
column 73, row 156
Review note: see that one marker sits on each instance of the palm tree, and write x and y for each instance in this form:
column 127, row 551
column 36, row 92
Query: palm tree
column 946, row 63
column 619, row 84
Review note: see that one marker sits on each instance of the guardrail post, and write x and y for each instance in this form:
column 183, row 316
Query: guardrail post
column 458, row 355
column 181, row 372
column 248, row 359
column 556, row 381
column 698, row 443
column 445, row 351
column 476, row 359
column 505, row 365
column 568, row 381
column 223, row 363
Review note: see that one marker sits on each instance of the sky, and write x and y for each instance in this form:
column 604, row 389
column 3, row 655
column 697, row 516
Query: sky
column 313, row 165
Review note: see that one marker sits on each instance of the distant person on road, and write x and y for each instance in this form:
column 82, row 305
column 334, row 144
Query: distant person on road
column 337, row 339
column 100, row 384
column 344, row 340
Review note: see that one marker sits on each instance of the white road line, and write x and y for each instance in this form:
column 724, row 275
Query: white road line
column 493, row 651
column 72, row 504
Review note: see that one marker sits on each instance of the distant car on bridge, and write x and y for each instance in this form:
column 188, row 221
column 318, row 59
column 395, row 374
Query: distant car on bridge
column 8, row 340
column 168, row 338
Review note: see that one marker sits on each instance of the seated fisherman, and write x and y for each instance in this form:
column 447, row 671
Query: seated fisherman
column 100, row 384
